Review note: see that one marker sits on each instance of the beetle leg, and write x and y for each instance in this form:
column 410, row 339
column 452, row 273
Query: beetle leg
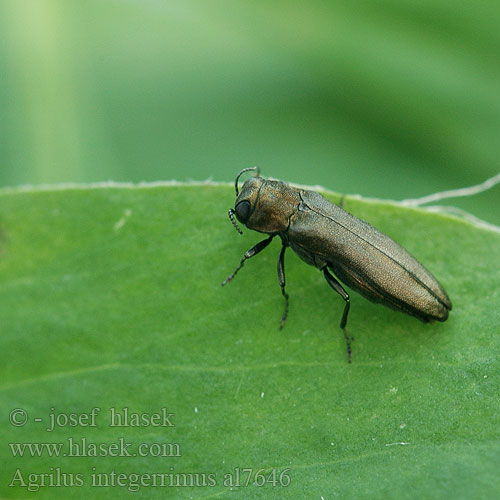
column 341, row 202
column 281, row 278
column 338, row 288
column 249, row 253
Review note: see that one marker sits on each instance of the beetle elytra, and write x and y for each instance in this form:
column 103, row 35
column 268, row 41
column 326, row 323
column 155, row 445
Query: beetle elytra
column 340, row 245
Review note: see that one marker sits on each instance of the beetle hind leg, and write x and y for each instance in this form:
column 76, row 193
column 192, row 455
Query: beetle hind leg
column 340, row 290
column 341, row 201
column 281, row 278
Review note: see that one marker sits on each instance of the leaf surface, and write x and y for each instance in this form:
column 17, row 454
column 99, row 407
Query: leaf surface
column 111, row 298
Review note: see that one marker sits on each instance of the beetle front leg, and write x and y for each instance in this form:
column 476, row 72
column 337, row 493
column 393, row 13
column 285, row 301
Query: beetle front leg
column 338, row 288
column 249, row 253
column 281, row 278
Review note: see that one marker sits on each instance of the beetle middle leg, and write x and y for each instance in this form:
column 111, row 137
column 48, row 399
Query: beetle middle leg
column 338, row 288
column 249, row 253
column 281, row 278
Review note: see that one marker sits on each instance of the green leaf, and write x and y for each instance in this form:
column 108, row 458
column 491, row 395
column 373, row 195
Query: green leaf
column 111, row 298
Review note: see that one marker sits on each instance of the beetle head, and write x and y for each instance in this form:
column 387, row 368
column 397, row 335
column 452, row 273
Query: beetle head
column 264, row 205
column 246, row 198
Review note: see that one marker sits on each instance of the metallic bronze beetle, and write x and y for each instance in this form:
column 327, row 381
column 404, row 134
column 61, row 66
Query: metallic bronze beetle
column 329, row 238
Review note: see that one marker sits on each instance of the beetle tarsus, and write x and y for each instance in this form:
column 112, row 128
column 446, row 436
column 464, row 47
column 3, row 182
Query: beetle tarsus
column 281, row 279
column 249, row 253
column 348, row 344
column 341, row 201
column 233, row 274
column 285, row 312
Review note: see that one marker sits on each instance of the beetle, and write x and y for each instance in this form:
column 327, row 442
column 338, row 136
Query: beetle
column 335, row 241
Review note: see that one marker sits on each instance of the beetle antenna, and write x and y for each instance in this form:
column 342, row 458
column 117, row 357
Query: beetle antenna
column 233, row 220
column 242, row 172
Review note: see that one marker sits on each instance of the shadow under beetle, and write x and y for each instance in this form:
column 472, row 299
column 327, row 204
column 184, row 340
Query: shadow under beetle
column 329, row 238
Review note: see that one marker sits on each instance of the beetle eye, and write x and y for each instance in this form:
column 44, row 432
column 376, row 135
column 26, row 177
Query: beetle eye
column 243, row 211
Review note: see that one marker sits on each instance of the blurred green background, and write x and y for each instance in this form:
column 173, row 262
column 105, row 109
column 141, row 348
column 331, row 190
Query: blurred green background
column 388, row 98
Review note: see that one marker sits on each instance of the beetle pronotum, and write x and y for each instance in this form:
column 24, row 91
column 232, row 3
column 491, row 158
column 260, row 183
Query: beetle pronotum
column 329, row 238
